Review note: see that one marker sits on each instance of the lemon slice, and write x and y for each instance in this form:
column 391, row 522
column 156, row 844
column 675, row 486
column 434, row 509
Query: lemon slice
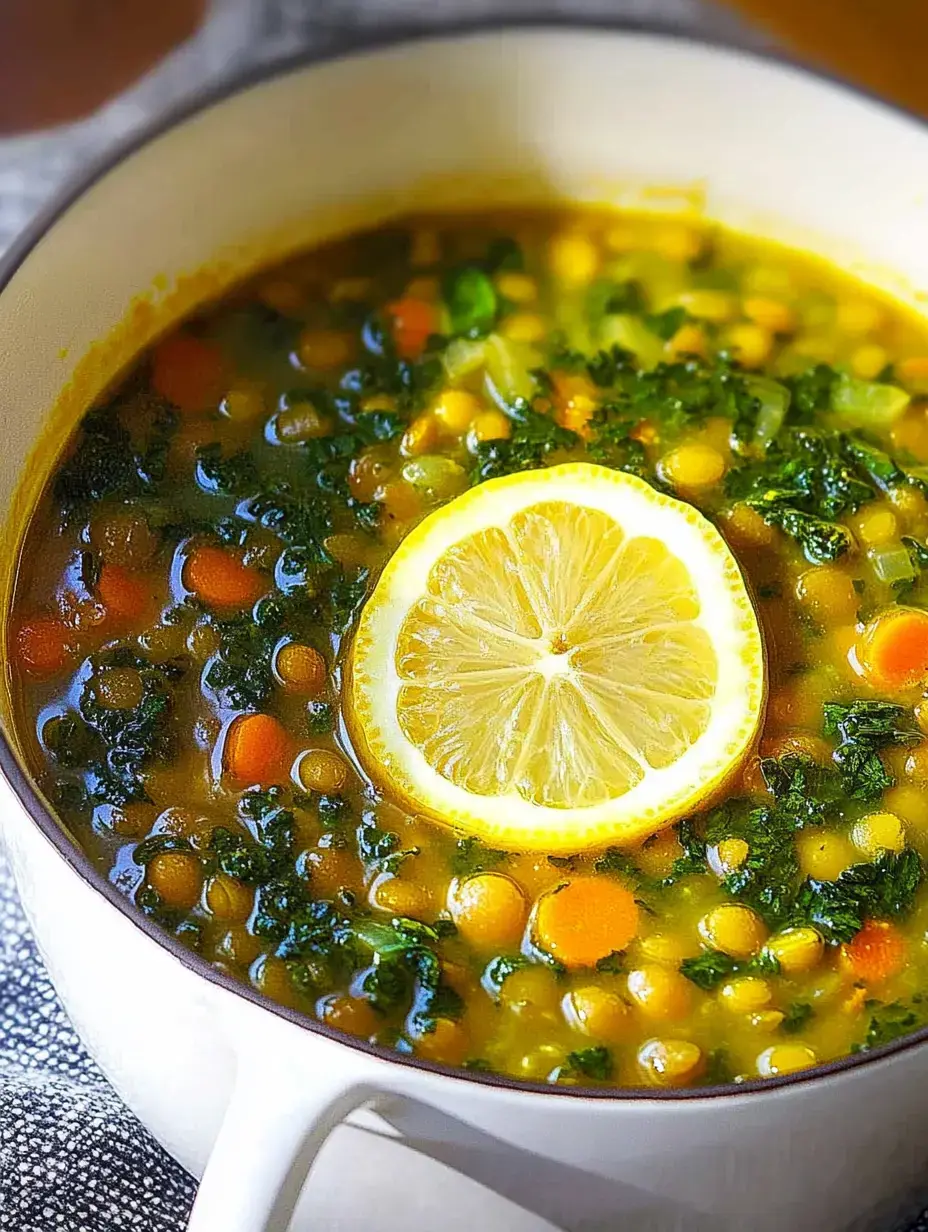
column 557, row 660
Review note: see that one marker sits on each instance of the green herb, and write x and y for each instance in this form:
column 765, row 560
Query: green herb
column 231, row 475
column 116, row 746
column 150, row 847
column 108, row 464
column 708, row 969
column 862, row 729
column 500, row 969
column 891, row 1021
column 595, row 1063
column 534, row 437
column 470, row 856
column 612, row 964
column 320, row 718
column 718, row 1071
column 666, row 324
column 884, row 887
column 796, row 1016
column 471, row 301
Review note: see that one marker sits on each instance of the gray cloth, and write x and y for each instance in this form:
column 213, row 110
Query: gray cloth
column 72, row 1157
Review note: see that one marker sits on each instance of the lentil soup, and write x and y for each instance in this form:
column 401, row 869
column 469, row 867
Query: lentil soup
column 192, row 577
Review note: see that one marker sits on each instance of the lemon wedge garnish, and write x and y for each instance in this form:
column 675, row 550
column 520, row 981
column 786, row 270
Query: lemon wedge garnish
column 557, row 660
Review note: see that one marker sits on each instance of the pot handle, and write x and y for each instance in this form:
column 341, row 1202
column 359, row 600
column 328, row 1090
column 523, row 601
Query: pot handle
column 277, row 1121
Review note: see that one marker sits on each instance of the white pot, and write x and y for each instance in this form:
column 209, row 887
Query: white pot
column 248, row 1091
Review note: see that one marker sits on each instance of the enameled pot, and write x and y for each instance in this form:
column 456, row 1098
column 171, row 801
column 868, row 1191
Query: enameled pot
column 246, row 1092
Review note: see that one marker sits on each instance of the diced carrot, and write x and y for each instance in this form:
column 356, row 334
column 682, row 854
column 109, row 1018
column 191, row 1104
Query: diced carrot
column 219, row 577
column 893, row 649
column 189, row 372
column 125, row 596
column 45, row 645
column 258, row 749
column 585, row 920
column 413, row 321
column 876, row 953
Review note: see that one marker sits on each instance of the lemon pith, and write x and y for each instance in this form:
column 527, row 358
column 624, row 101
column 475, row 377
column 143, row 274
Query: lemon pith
column 557, row 660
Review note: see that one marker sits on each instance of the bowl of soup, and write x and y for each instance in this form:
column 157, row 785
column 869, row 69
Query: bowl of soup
column 466, row 627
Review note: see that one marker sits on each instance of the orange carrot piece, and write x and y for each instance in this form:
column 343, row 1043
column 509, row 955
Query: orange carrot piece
column 126, row 596
column 258, row 749
column 413, row 321
column 893, row 649
column 44, row 645
column 188, row 372
column 219, row 577
column 585, row 920
column 876, row 953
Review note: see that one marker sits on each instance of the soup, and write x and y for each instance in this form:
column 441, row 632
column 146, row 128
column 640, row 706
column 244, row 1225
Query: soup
column 192, row 693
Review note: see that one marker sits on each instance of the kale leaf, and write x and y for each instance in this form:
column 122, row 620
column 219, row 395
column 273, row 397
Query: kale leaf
column 594, row 1062
column 471, row 856
column 225, row 475
column 708, row 969
column 796, row 1016
column 891, row 1021
column 472, row 302
column 534, row 437
column 862, row 729
column 884, row 887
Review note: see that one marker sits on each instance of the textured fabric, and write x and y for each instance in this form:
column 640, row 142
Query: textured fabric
column 72, row 1157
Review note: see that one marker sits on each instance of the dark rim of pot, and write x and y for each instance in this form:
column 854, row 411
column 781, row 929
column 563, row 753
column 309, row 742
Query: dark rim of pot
column 344, row 48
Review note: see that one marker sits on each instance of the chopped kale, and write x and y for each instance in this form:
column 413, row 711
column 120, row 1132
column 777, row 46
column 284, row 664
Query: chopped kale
column 472, row 302
column 320, row 718
column 302, row 522
column 231, row 475
column 806, row 479
column 862, row 729
column 718, row 1071
column 612, row 964
column 347, row 591
column 239, row 856
column 812, row 391
column 118, row 745
column 143, row 853
column 666, row 324
column 708, row 969
column 879, row 889
column 796, row 1016
column 380, row 849
column 534, row 437
column 470, row 856
column 693, row 860
column 891, row 1021
column 595, row 1062
column 108, row 464
column 500, row 969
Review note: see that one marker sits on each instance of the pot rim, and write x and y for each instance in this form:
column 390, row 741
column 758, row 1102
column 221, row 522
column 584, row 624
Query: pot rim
column 350, row 47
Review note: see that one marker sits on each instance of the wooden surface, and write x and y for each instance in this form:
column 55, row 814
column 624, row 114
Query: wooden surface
column 881, row 44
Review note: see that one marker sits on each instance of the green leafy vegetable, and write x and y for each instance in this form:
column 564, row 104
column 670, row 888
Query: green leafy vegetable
column 472, row 302
column 595, row 1063
column 796, row 1016
column 708, row 969
column 862, row 729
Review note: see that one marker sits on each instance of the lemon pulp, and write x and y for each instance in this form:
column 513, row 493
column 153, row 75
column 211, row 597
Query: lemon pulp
column 557, row 660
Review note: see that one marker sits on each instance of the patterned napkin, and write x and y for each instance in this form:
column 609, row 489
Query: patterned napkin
column 72, row 1156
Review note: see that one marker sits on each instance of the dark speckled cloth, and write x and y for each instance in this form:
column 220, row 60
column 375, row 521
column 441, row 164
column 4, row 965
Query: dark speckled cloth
column 72, row 1157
